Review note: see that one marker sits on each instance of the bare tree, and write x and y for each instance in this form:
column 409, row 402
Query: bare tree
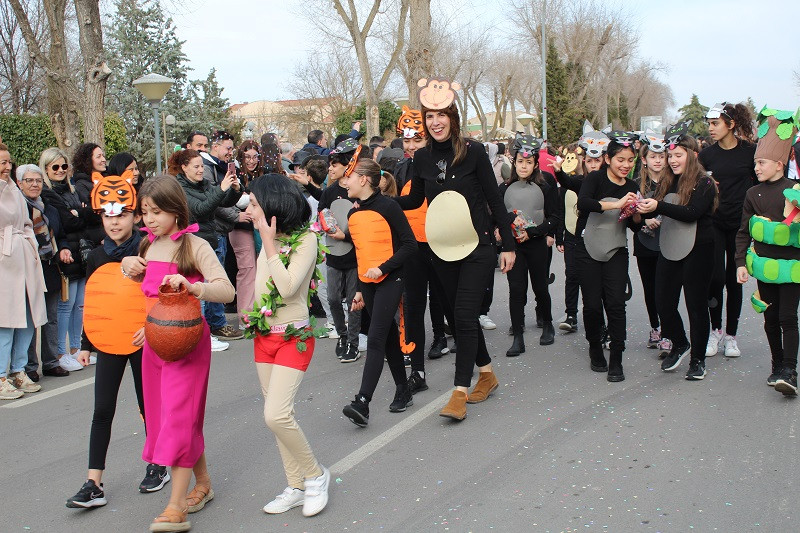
column 96, row 71
column 21, row 80
column 419, row 54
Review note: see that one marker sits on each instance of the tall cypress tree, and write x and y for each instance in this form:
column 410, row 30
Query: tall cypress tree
column 564, row 119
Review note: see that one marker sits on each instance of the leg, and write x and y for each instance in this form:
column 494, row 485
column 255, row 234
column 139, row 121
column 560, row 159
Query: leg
column 590, row 272
column 353, row 317
column 245, row 250
column 647, row 273
column 335, row 283
column 215, row 312
column 787, row 316
column 322, row 291
column 539, row 270
column 49, row 340
column 76, row 318
column 382, row 300
column 717, row 280
column 415, row 300
column 108, row 376
column 669, row 276
column 572, row 281
column 518, row 289
column 64, row 316
column 697, row 274
column 770, row 293
column 615, row 280
column 733, row 307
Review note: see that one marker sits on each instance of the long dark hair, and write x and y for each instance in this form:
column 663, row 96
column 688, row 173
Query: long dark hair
column 280, row 197
column 245, row 146
column 459, row 144
column 119, row 163
column 82, row 160
column 535, row 177
column 742, row 119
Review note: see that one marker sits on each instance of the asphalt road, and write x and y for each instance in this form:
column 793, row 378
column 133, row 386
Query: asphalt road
column 556, row 448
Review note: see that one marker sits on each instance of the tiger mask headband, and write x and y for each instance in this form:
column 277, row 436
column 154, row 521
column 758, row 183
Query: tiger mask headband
column 410, row 125
column 113, row 195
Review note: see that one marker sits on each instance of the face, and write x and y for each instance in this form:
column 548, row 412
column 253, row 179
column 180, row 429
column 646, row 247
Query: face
column 99, row 160
column 159, row 222
column 655, row 161
column 412, row 145
column 5, row 165
column 438, row 124
column 717, row 128
column 194, row 170
column 251, row 159
column 355, row 184
column 31, row 184
column 767, row 170
column 223, row 150
column 254, row 208
column 677, row 158
column 61, row 166
column 593, row 163
column 133, row 167
column 525, row 166
column 336, row 171
column 376, row 151
column 323, row 141
column 199, row 143
column 621, row 164
column 120, row 227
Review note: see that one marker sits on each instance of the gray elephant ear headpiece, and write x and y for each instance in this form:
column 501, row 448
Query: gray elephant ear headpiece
column 655, row 142
column 676, row 133
column 526, row 145
column 625, row 138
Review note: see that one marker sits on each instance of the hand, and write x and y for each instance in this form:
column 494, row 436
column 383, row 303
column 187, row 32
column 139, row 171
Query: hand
column 358, row 302
column 497, row 235
column 357, row 125
column 648, row 205
column 339, row 235
column 551, row 240
column 138, row 337
column 373, row 273
column 557, row 162
column 176, row 280
column 507, row 261
column 65, row 256
column 245, row 217
column 560, row 248
column 625, row 200
column 228, row 181
column 83, row 357
column 267, row 230
column 302, row 180
column 741, row 275
column 652, row 223
column 134, row 266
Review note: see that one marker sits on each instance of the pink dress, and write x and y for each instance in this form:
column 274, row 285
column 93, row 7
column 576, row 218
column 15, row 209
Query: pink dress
column 174, row 393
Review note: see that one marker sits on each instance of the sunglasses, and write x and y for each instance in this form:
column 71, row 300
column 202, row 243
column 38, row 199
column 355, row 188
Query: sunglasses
column 442, row 166
column 55, row 168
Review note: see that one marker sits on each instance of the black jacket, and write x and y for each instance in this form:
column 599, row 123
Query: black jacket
column 78, row 223
column 204, row 199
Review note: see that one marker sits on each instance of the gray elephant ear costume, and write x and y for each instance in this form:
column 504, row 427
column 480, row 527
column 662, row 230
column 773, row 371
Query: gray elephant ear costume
column 604, row 233
column 676, row 238
column 339, row 208
column 526, row 197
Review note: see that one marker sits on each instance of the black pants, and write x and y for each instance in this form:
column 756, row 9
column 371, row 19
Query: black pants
column 780, row 321
column 532, row 260
column 647, row 273
column 381, row 302
column 107, row 379
column 420, row 283
column 693, row 274
column 724, row 276
column 464, row 283
column 603, row 286
column 488, row 295
column 572, row 282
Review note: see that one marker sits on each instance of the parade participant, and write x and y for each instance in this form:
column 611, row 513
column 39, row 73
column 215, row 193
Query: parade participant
column 121, row 240
column 685, row 198
column 535, row 202
column 383, row 241
column 775, row 253
column 175, row 392
column 284, row 339
column 464, row 206
column 729, row 161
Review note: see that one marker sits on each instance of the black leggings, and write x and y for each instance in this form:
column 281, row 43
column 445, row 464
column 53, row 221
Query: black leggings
column 572, row 282
column 647, row 273
column 382, row 301
column 693, row 274
column 107, row 379
column 724, row 275
column 419, row 284
column 464, row 283
column 532, row 260
column 603, row 286
column 780, row 321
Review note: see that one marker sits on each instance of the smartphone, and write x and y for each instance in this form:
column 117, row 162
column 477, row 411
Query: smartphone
column 231, row 167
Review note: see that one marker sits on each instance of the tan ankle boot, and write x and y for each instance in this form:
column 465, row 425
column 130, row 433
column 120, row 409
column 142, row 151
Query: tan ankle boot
column 456, row 408
column 487, row 383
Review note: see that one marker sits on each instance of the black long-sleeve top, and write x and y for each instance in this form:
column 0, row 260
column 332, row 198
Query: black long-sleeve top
column 473, row 178
column 697, row 209
column 765, row 199
column 548, row 226
column 734, row 173
column 596, row 186
column 333, row 192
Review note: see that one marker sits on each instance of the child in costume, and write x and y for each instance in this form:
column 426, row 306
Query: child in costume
column 769, row 218
column 175, row 392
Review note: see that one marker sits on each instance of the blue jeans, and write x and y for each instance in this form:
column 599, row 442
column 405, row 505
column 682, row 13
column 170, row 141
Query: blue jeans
column 213, row 311
column 14, row 344
column 70, row 317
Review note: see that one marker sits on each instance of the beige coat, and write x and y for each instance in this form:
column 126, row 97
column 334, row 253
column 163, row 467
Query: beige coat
column 20, row 268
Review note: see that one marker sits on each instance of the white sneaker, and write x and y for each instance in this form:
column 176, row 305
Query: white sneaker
column 288, row 499
column 362, row 342
column 486, row 322
column 714, row 339
column 218, row 345
column 67, row 362
column 316, row 496
column 731, row 348
column 92, row 359
column 331, row 331
column 8, row 391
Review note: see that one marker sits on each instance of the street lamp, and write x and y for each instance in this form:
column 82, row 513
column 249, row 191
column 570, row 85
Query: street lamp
column 525, row 119
column 153, row 87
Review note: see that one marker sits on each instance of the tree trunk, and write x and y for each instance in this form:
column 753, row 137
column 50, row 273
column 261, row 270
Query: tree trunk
column 418, row 55
column 97, row 71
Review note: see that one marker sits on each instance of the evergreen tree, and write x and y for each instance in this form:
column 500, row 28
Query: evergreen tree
column 696, row 112
column 207, row 109
column 564, row 118
column 388, row 115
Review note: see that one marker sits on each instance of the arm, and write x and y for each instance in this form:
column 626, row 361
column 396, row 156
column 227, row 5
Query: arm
column 586, row 195
column 700, row 203
column 560, row 214
column 743, row 238
column 408, row 243
column 231, row 197
column 313, row 190
column 572, row 183
column 502, row 218
column 206, row 206
column 290, row 280
column 416, row 195
column 216, row 287
column 550, row 213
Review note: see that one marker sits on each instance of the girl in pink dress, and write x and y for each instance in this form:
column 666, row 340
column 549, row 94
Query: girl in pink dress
column 175, row 392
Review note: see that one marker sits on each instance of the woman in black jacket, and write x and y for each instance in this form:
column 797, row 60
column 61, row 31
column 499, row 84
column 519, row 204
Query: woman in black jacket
column 88, row 158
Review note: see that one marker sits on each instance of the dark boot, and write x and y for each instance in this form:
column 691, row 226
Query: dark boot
column 517, row 347
column 548, row 334
column 615, row 373
column 597, row 358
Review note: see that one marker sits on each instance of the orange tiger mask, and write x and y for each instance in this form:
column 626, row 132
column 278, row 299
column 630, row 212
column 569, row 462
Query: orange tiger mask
column 111, row 195
column 410, row 124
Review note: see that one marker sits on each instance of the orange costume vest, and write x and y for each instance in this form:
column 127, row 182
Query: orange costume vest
column 416, row 217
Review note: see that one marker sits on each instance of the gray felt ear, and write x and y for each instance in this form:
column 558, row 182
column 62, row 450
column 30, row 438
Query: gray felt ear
column 339, row 207
column 649, row 241
column 526, row 197
column 604, row 233
column 677, row 238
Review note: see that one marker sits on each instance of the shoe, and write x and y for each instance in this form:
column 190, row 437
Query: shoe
column 92, row 359
column 438, row 348
column 697, row 370
column 664, row 344
column 787, row 383
column 517, row 346
column 655, row 338
column 331, row 331
column 777, row 366
column 33, row 375
column 674, row 358
column 615, row 373
column 362, row 342
column 171, row 520
column 155, row 478
column 486, row 385
column 731, row 348
column 416, row 383
column 217, row 345
column 89, row 496
column 714, row 339
column 486, row 322
column 288, row 499
column 316, row 497
column 23, row 383
column 358, row 411
column 407, row 361
column 597, row 359
column 56, row 372
column 454, row 349
column 456, row 407
column 548, row 334
column 447, row 329
column 67, row 362
column 198, row 497
column 402, row 399
column 351, row 355
column 570, row 324
column 8, row 391
column 228, row 333
column 341, row 347
column 605, row 340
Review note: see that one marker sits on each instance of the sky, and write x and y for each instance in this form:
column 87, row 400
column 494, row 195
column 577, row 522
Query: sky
column 721, row 50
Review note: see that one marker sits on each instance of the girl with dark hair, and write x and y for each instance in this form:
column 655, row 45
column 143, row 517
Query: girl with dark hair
column 287, row 269
column 464, row 207
column 242, row 237
column 383, row 241
column 88, row 158
column 272, row 159
column 120, row 163
column 729, row 161
column 686, row 198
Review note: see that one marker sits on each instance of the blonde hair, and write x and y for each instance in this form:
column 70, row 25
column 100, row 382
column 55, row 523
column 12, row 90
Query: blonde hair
column 47, row 158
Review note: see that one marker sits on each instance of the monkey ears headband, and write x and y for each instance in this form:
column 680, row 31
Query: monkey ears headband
column 437, row 93
column 111, row 195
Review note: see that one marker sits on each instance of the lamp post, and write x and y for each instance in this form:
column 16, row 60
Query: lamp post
column 169, row 120
column 153, row 87
column 525, row 119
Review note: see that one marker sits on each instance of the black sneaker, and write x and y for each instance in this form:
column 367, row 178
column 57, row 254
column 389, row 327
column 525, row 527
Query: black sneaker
column 407, row 360
column 358, row 411
column 154, row 480
column 674, row 358
column 570, row 324
column 416, row 383
column 402, row 399
column 438, row 348
column 351, row 355
column 341, row 346
column 697, row 370
column 787, row 383
column 776, row 374
column 89, row 496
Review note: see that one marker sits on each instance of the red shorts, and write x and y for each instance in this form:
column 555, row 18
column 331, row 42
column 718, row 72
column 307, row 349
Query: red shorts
column 275, row 350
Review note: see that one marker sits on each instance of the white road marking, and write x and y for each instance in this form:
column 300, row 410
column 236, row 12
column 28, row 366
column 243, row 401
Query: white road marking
column 39, row 396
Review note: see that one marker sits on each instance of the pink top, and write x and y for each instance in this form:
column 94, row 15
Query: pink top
column 156, row 270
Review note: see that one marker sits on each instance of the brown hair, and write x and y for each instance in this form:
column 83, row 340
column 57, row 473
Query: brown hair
column 459, row 144
column 391, row 184
column 180, row 159
column 165, row 192
column 645, row 174
column 4, row 148
column 691, row 177
column 371, row 170
column 245, row 146
column 742, row 120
